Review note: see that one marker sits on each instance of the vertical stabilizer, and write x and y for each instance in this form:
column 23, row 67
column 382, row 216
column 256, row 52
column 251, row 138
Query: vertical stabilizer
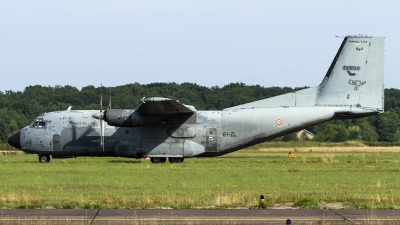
column 355, row 77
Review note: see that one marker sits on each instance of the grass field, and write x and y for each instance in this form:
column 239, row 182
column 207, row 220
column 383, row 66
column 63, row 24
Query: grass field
column 319, row 177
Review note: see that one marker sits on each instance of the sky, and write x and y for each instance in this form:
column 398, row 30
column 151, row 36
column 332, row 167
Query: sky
column 210, row 43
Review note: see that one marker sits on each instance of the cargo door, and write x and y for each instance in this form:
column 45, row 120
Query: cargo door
column 211, row 139
column 56, row 142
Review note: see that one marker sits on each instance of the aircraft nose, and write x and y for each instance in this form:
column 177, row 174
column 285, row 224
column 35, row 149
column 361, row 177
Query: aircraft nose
column 14, row 140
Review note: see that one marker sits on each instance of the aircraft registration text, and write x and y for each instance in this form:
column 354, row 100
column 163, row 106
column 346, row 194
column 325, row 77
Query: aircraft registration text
column 351, row 67
column 229, row 134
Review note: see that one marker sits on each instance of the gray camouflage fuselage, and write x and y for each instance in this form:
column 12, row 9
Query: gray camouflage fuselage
column 210, row 133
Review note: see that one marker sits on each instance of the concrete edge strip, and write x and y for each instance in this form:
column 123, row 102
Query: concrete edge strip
column 190, row 219
column 171, row 220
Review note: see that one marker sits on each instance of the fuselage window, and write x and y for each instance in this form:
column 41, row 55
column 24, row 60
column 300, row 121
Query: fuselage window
column 41, row 125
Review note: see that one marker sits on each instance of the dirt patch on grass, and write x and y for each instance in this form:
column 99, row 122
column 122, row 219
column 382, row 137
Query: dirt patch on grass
column 284, row 206
column 336, row 205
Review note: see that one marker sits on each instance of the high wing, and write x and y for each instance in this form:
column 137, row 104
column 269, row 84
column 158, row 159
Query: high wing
column 150, row 111
column 157, row 106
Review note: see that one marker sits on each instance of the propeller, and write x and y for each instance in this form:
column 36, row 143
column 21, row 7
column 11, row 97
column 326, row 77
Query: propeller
column 100, row 115
column 109, row 102
column 101, row 118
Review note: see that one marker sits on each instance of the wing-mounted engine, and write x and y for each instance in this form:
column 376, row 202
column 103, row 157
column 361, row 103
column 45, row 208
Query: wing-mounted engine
column 150, row 111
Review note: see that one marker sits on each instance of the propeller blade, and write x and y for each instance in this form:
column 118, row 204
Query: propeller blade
column 101, row 115
column 109, row 103
column 101, row 98
column 102, row 134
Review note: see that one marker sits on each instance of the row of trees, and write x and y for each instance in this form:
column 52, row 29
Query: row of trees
column 17, row 109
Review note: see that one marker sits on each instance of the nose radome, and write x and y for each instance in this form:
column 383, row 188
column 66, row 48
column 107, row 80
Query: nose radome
column 14, row 140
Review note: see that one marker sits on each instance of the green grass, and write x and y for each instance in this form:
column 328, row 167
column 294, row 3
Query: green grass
column 311, row 180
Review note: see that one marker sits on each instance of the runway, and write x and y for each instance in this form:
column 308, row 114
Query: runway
column 197, row 216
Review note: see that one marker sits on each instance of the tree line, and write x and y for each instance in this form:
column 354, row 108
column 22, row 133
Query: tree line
column 18, row 108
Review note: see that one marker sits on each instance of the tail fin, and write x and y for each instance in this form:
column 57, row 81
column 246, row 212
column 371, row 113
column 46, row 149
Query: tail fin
column 354, row 80
column 355, row 77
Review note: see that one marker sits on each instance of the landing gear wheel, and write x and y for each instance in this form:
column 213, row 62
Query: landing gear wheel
column 163, row 160
column 44, row 158
column 175, row 160
column 155, row 160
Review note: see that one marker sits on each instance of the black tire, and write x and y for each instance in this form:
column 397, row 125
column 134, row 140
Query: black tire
column 155, row 160
column 175, row 160
column 163, row 160
column 44, row 158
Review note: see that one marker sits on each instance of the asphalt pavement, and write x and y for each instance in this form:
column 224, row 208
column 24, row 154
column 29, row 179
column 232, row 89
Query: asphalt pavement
column 197, row 216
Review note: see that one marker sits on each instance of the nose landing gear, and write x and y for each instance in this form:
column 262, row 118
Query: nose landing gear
column 44, row 158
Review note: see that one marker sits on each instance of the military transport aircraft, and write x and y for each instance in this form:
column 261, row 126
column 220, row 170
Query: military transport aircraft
column 163, row 128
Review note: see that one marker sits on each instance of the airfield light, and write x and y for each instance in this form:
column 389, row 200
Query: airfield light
column 288, row 221
column 261, row 203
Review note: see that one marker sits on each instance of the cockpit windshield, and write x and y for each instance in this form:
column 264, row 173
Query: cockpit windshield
column 38, row 123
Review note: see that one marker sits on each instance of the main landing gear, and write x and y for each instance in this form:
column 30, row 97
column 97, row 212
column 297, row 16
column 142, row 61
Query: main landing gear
column 44, row 158
column 158, row 160
column 175, row 160
column 163, row 160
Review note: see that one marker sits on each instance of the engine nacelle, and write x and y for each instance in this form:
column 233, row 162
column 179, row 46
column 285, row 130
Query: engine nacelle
column 120, row 117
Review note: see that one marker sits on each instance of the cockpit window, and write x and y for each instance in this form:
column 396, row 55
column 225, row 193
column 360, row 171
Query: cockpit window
column 38, row 124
